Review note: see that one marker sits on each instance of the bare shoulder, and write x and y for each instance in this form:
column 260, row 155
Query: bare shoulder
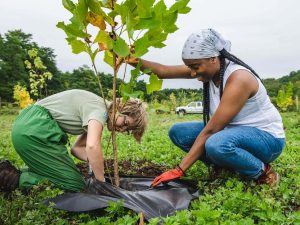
column 245, row 80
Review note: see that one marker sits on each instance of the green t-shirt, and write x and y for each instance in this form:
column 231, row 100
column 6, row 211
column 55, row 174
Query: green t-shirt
column 73, row 109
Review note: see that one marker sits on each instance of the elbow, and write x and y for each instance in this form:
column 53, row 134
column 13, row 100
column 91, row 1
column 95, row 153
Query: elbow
column 90, row 147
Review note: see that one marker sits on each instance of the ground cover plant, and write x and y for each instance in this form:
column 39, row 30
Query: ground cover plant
column 226, row 199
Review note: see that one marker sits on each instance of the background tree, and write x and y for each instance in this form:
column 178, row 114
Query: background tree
column 38, row 74
column 21, row 95
column 14, row 46
column 284, row 99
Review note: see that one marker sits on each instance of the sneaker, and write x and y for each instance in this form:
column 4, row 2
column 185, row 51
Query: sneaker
column 9, row 176
column 269, row 177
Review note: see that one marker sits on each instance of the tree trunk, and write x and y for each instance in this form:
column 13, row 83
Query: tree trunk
column 114, row 144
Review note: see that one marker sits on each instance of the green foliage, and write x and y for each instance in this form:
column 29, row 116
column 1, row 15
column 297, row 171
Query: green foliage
column 22, row 96
column 155, row 84
column 115, row 209
column 14, row 47
column 172, row 103
column 144, row 23
column 38, row 74
column 227, row 200
column 284, row 99
column 273, row 85
column 84, row 78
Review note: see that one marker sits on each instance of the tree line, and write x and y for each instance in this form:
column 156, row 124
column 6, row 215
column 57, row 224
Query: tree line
column 14, row 47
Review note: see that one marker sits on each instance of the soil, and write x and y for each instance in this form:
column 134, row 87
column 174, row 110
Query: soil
column 139, row 168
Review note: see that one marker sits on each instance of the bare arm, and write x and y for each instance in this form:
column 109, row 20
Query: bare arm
column 238, row 89
column 78, row 149
column 94, row 149
column 164, row 71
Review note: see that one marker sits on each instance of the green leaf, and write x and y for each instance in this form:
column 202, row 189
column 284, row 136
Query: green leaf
column 38, row 63
column 148, row 23
column 104, row 38
column 169, row 20
column 132, row 5
column 33, row 53
column 144, row 8
column 159, row 8
column 70, row 38
column 154, row 85
column 108, row 58
column 106, row 3
column 135, row 73
column 136, row 94
column 72, row 29
column 181, row 7
column 141, row 46
column 127, row 91
column 131, row 21
column 69, row 5
column 156, row 38
column 147, row 71
column 81, row 10
column 78, row 23
column 96, row 7
column 27, row 64
column 61, row 25
column 121, row 10
column 78, row 46
column 121, row 48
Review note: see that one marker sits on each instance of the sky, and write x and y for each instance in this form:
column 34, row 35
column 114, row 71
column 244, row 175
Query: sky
column 264, row 34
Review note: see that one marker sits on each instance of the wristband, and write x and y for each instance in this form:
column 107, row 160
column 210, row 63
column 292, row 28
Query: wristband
column 179, row 168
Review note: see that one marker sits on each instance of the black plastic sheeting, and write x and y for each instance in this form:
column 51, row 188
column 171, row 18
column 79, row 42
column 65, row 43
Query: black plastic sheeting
column 161, row 201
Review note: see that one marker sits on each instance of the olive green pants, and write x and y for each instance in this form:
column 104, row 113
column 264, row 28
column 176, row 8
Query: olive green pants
column 40, row 142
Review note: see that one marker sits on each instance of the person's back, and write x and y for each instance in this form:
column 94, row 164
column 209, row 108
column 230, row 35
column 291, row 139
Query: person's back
column 72, row 109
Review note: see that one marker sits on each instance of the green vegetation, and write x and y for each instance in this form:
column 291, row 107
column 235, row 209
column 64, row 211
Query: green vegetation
column 226, row 200
column 14, row 47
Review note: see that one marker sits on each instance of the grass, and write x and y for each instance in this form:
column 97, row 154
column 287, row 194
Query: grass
column 227, row 200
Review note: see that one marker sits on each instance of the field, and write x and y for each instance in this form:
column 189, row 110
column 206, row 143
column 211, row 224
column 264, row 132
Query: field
column 225, row 200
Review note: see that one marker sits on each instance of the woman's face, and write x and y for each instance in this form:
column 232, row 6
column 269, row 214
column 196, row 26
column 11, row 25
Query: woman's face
column 123, row 123
column 203, row 69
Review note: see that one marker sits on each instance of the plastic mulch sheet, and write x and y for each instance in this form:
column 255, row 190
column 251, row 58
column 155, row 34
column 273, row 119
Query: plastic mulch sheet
column 161, row 201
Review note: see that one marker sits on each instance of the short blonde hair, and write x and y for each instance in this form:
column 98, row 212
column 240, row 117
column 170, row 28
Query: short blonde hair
column 135, row 109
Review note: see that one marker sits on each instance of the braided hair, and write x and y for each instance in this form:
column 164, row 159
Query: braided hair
column 224, row 54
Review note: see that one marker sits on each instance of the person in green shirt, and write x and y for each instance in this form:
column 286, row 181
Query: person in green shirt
column 39, row 136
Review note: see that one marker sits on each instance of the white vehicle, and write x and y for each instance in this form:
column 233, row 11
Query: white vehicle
column 193, row 107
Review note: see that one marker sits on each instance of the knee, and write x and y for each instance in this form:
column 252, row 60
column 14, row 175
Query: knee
column 215, row 147
column 178, row 136
column 174, row 133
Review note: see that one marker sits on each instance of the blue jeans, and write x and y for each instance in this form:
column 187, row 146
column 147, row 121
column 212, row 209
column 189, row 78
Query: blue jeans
column 242, row 148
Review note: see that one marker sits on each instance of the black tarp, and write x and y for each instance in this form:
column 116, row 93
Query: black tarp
column 161, row 201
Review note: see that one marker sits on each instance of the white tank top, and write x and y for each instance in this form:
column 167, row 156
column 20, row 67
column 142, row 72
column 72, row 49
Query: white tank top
column 258, row 110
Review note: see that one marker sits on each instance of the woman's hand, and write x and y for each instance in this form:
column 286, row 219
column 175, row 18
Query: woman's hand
column 168, row 176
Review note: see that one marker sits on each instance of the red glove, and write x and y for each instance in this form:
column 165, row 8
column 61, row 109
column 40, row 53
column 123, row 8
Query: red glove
column 168, row 176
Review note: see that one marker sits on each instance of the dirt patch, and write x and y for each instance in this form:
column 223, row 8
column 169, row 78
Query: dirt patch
column 140, row 168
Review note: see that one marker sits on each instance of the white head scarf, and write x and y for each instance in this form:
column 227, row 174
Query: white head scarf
column 205, row 44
